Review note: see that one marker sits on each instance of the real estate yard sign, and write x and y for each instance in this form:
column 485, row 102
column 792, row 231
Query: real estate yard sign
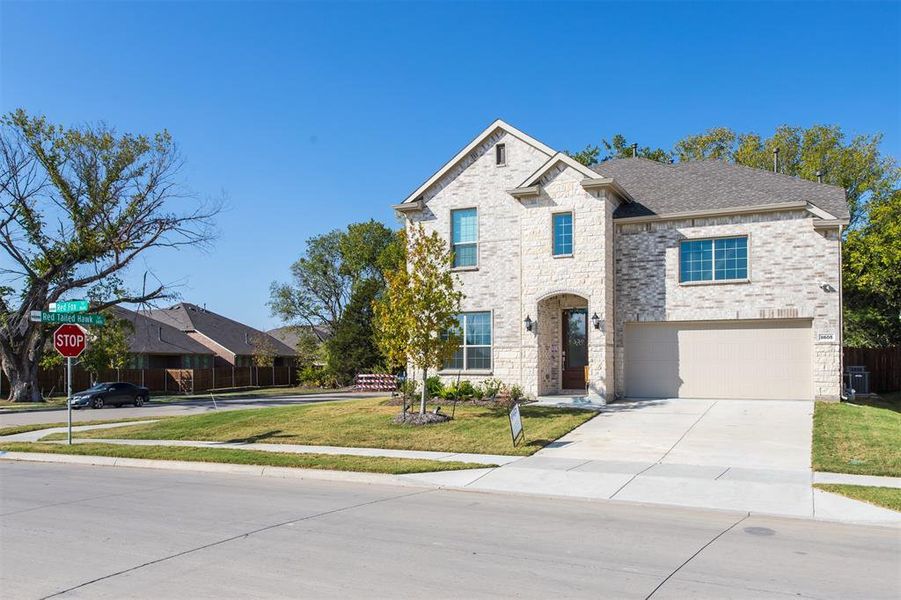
column 516, row 424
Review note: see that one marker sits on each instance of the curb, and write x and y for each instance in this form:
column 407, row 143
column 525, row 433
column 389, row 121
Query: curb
column 204, row 467
column 375, row 479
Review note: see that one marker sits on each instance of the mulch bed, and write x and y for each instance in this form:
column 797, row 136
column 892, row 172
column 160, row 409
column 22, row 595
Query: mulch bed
column 429, row 418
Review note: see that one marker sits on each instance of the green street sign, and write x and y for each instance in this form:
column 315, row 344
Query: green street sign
column 77, row 318
column 69, row 306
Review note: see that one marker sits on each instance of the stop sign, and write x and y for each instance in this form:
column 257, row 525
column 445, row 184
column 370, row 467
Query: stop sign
column 69, row 340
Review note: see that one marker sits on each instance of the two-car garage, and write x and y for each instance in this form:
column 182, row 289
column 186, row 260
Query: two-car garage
column 752, row 359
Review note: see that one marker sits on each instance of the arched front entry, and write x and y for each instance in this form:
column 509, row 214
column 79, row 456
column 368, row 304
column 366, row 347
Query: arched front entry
column 563, row 329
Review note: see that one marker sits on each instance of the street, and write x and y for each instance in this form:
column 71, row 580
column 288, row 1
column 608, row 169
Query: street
column 99, row 532
column 173, row 409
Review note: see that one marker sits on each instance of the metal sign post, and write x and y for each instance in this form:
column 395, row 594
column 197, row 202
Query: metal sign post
column 69, row 395
column 69, row 341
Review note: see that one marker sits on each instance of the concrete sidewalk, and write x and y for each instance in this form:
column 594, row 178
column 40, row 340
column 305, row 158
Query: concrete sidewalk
column 704, row 454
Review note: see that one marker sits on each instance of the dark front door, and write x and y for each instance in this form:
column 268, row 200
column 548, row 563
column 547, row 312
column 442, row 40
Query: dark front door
column 575, row 348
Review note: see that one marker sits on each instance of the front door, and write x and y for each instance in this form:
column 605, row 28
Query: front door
column 575, row 348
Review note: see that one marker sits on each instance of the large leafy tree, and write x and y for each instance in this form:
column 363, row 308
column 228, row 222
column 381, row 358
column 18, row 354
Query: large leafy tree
column 335, row 283
column 419, row 307
column 352, row 349
column 872, row 276
column 78, row 206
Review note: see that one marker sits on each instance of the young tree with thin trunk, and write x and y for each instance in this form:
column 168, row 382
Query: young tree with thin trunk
column 416, row 318
column 77, row 207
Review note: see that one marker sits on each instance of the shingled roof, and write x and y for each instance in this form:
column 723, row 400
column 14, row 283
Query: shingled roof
column 662, row 189
column 236, row 337
column 154, row 337
column 290, row 334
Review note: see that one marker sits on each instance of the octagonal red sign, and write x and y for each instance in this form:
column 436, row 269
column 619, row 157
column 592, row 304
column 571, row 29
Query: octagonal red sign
column 69, row 340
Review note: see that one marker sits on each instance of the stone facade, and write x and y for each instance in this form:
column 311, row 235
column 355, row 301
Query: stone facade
column 620, row 271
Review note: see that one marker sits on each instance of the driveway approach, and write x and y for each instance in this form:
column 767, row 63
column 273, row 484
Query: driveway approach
column 751, row 455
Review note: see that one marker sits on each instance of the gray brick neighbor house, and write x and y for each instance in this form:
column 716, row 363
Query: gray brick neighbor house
column 638, row 279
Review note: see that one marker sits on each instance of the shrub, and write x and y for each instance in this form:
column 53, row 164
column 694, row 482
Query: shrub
column 492, row 387
column 433, row 386
column 312, row 376
column 516, row 393
column 408, row 388
column 449, row 392
column 478, row 392
column 465, row 390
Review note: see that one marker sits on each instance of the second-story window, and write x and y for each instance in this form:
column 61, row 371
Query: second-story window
column 563, row 234
column 465, row 237
column 720, row 259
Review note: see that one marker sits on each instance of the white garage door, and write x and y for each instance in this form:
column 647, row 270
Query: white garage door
column 719, row 359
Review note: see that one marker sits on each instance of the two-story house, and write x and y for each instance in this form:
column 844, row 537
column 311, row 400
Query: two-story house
column 638, row 279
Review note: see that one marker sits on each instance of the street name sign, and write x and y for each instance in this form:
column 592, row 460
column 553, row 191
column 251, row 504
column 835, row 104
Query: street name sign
column 39, row 316
column 69, row 340
column 69, row 306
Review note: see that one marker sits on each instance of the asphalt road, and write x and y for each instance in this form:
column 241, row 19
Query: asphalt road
column 164, row 409
column 77, row 531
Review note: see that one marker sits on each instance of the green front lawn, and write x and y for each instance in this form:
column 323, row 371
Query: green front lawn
column 880, row 496
column 363, row 424
column 14, row 429
column 857, row 438
column 51, row 403
column 332, row 462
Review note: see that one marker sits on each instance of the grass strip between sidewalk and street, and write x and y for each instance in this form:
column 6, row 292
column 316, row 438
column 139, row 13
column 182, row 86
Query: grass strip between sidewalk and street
column 880, row 496
column 363, row 424
column 859, row 438
column 331, row 462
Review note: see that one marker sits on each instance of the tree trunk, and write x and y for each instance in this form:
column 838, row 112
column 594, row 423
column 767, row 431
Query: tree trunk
column 23, row 380
column 425, row 392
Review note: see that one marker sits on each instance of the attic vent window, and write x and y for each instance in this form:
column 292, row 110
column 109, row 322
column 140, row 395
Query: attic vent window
column 500, row 154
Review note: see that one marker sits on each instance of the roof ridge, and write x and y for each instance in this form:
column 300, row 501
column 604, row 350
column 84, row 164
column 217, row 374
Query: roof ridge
column 727, row 163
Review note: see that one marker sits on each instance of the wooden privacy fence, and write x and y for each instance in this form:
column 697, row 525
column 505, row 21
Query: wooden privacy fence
column 884, row 365
column 171, row 381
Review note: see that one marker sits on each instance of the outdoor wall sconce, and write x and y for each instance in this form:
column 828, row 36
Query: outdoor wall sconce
column 596, row 321
column 529, row 323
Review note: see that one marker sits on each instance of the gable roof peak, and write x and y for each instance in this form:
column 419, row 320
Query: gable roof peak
column 487, row 132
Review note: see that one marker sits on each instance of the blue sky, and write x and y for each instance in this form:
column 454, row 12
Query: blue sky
column 309, row 116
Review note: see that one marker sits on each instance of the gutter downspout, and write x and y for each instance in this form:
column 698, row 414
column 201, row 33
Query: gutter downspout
column 841, row 322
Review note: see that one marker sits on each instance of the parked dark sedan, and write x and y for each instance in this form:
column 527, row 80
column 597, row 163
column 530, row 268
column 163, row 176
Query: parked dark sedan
column 110, row 394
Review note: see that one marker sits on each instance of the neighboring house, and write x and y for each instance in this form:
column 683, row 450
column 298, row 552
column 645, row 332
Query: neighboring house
column 232, row 343
column 289, row 335
column 156, row 345
column 697, row 279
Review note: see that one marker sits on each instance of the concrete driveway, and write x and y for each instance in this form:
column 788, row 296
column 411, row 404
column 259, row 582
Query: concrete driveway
column 767, row 434
column 743, row 455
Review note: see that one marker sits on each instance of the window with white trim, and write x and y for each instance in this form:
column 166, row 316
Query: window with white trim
column 719, row 259
column 563, row 234
column 465, row 237
column 474, row 353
